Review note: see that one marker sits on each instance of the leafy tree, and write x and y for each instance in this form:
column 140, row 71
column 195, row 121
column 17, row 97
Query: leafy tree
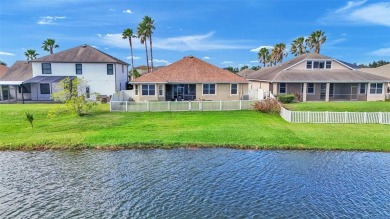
column 255, row 68
column 244, row 67
column 3, row 63
column 374, row 64
column 48, row 45
column 149, row 27
column 31, row 54
column 298, row 46
column 263, row 56
column 135, row 73
column 142, row 35
column 232, row 69
column 128, row 34
column 278, row 53
column 74, row 94
column 315, row 40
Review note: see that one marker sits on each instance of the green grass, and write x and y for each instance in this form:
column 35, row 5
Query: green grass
column 361, row 106
column 236, row 129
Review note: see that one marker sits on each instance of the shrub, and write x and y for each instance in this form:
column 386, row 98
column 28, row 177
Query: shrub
column 29, row 118
column 287, row 98
column 268, row 106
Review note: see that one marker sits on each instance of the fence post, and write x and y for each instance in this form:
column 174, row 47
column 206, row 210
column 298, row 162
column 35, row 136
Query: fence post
column 290, row 115
column 240, row 104
column 380, row 116
column 110, row 106
column 169, row 105
column 126, row 107
column 308, row 116
column 327, row 117
column 189, row 105
column 345, row 117
column 220, row 105
column 365, row 118
column 200, row 106
column 147, row 106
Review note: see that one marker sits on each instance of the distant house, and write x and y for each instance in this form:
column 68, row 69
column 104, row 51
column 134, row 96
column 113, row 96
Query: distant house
column 317, row 77
column 245, row 72
column 189, row 79
column 3, row 70
column 383, row 71
column 11, row 84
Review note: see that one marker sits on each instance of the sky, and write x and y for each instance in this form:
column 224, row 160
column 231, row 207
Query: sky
column 221, row 32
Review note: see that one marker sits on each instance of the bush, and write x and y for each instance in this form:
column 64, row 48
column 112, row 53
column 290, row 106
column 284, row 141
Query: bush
column 268, row 106
column 287, row 98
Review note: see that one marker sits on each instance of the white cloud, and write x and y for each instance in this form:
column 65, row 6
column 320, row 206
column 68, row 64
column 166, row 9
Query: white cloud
column 381, row 52
column 206, row 57
column 254, row 61
column 227, row 62
column 359, row 12
column 50, row 19
column 134, row 57
column 128, row 11
column 161, row 61
column 336, row 41
column 6, row 54
column 260, row 47
column 99, row 35
column 203, row 42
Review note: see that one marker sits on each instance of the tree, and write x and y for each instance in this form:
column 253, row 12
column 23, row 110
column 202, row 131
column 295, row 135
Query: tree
column 31, row 54
column 231, row 69
column 263, row 56
column 374, row 64
column 135, row 73
column 255, row 68
column 142, row 35
column 128, row 34
column 244, row 67
column 278, row 53
column 3, row 63
column 298, row 46
column 315, row 40
column 149, row 27
column 48, row 45
column 75, row 96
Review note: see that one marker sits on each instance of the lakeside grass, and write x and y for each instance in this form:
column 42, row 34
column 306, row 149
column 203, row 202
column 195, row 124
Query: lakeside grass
column 361, row 106
column 235, row 129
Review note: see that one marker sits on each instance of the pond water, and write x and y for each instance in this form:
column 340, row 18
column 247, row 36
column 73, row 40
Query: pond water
column 198, row 183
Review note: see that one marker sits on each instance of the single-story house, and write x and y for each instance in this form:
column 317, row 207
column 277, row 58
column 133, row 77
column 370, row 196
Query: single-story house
column 383, row 71
column 316, row 77
column 11, row 84
column 189, row 79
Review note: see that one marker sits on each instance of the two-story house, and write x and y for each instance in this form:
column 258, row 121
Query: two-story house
column 103, row 74
column 316, row 77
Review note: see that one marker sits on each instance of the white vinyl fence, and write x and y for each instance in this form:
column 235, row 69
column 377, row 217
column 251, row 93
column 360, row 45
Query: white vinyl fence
column 335, row 117
column 160, row 106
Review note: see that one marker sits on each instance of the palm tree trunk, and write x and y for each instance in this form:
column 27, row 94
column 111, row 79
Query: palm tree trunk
column 147, row 56
column 151, row 51
column 132, row 60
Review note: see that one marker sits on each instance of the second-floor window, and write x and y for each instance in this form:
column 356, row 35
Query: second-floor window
column 318, row 64
column 46, row 68
column 79, row 69
column 110, row 69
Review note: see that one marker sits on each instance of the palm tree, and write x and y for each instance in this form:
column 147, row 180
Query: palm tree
column 141, row 34
column 279, row 53
column 128, row 34
column 315, row 40
column 31, row 54
column 48, row 45
column 263, row 56
column 298, row 46
column 149, row 27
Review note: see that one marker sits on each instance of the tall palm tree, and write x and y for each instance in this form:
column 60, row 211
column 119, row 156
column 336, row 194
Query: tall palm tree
column 149, row 27
column 142, row 35
column 128, row 34
column 298, row 46
column 48, row 45
column 315, row 40
column 263, row 56
column 279, row 53
column 31, row 54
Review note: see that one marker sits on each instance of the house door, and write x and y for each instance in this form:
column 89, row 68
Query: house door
column 180, row 92
column 354, row 91
column 323, row 91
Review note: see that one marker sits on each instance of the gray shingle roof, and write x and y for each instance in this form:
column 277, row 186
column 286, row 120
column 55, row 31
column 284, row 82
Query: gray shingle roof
column 20, row 71
column 83, row 53
column 383, row 70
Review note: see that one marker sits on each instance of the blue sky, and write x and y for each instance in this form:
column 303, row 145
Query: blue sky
column 222, row 32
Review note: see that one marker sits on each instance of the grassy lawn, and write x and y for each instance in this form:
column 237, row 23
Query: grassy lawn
column 361, row 106
column 237, row 129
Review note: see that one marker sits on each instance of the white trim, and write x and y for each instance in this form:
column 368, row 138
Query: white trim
column 209, row 94
column 376, row 87
column 155, row 92
column 11, row 82
column 307, row 59
column 236, row 90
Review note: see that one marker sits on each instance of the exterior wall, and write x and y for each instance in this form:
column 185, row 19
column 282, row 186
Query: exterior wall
column 94, row 73
column 121, row 76
column 317, row 93
column 36, row 91
column 376, row 97
column 335, row 65
column 222, row 92
column 141, row 97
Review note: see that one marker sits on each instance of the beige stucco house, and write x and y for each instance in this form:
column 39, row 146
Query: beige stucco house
column 383, row 71
column 316, row 77
column 189, row 79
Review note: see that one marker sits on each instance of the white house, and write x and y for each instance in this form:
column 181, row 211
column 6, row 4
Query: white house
column 103, row 73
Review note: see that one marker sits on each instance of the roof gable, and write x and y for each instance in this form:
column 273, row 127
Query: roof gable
column 19, row 71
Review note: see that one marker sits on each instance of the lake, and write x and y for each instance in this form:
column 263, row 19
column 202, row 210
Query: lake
column 194, row 183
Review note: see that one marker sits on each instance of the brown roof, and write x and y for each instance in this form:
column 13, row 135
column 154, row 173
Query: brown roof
column 190, row 70
column 83, row 53
column 284, row 73
column 20, row 71
column 245, row 72
column 383, row 70
column 3, row 70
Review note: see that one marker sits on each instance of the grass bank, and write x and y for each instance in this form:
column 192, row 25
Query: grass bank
column 236, row 129
column 361, row 106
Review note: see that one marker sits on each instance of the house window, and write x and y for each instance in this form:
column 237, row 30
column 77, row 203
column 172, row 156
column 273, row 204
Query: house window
column 310, row 88
column 148, row 90
column 110, row 69
column 46, row 68
column 136, row 89
column 309, row 64
column 376, row 88
column 233, row 89
column 87, row 92
column 362, row 89
column 160, row 90
column 282, row 88
column 26, row 88
column 328, row 64
column 79, row 69
column 45, row 88
column 208, row 88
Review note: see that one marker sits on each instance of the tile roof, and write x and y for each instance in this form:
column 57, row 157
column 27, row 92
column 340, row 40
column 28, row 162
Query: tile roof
column 20, row 71
column 3, row 70
column 284, row 73
column 83, row 53
column 190, row 70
